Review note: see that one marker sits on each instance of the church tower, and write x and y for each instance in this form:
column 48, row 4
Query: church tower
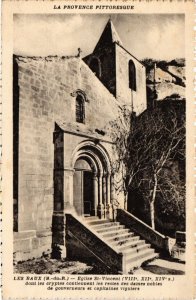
column 119, row 71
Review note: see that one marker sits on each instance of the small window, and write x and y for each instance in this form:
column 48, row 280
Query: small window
column 80, row 112
column 132, row 76
column 95, row 67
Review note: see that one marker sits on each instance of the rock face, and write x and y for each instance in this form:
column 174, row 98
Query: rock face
column 167, row 78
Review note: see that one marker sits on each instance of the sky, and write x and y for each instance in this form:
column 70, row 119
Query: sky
column 157, row 36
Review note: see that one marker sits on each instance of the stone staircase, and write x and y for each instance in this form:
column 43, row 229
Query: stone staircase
column 135, row 250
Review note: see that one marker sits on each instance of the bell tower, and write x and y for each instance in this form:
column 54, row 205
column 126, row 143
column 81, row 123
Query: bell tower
column 102, row 61
column 119, row 71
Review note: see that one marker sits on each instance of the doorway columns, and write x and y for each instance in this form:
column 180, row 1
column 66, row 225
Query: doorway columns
column 100, row 207
column 108, row 198
column 112, row 196
column 104, row 199
column 97, row 158
column 95, row 194
column 104, row 196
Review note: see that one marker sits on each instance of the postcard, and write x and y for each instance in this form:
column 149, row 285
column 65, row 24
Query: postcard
column 98, row 150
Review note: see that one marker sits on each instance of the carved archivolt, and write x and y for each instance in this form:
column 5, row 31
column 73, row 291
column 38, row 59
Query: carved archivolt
column 96, row 152
column 81, row 93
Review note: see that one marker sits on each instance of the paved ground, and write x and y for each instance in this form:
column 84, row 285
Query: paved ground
column 162, row 267
column 45, row 265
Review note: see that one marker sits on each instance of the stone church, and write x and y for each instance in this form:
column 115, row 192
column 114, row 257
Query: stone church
column 63, row 152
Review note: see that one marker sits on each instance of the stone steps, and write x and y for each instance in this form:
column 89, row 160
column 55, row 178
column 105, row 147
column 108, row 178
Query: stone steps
column 133, row 241
column 140, row 260
column 109, row 228
column 131, row 257
column 122, row 238
column 114, row 232
column 133, row 244
column 106, row 227
column 134, row 249
column 101, row 224
column 96, row 221
column 91, row 218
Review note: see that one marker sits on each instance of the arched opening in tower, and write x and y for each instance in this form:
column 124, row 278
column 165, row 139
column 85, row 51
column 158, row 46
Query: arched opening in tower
column 95, row 66
column 132, row 76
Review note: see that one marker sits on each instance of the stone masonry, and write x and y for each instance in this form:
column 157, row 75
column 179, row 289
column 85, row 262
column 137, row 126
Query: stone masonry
column 47, row 137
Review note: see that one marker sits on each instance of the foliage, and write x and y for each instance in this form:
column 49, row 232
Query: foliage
column 148, row 146
column 174, row 96
column 163, row 64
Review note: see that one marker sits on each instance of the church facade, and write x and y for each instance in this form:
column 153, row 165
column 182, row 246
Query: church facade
column 63, row 147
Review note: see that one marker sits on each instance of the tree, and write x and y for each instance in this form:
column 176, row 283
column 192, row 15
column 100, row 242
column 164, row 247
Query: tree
column 146, row 145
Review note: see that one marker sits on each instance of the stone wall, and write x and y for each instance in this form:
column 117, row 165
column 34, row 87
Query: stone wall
column 114, row 74
column 124, row 94
column 44, row 94
column 82, row 240
column 152, row 236
column 107, row 65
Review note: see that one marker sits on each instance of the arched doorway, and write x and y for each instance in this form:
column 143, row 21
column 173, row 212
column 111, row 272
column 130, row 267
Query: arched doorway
column 83, row 192
column 93, row 188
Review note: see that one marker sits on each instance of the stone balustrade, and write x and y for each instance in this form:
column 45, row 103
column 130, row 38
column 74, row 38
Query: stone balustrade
column 82, row 241
column 156, row 239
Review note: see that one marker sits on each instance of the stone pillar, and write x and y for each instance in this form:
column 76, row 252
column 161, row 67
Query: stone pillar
column 58, row 218
column 112, row 192
column 68, row 190
column 95, row 194
column 63, row 202
column 58, row 171
column 104, row 193
column 100, row 212
column 112, row 196
column 108, row 198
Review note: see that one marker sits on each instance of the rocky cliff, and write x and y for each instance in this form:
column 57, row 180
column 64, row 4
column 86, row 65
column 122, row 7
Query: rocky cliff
column 166, row 78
